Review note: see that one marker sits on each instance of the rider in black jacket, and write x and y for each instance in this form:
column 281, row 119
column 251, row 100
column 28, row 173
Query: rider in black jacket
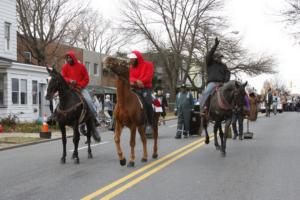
column 217, row 73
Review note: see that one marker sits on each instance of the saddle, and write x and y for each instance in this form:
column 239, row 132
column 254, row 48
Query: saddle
column 207, row 102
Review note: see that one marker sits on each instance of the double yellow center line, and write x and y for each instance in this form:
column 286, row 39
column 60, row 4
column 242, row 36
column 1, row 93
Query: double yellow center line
column 170, row 158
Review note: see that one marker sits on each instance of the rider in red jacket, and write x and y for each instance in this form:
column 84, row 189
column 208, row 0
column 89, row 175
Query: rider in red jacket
column 140, row 76
column 141, row 71
column 76, row 75
column 75, row 72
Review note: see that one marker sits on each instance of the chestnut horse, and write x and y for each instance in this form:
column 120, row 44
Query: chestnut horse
column 129, row 112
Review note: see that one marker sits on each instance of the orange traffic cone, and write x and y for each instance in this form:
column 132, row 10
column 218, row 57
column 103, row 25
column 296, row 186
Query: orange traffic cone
column 45, row 133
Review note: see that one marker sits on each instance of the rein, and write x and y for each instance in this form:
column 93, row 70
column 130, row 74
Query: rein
column 126, row 81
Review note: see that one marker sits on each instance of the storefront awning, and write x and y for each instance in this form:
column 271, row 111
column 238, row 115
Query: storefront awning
column 97, row 89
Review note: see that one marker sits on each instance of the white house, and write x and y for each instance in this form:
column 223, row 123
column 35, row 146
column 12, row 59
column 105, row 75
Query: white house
column 22, row 86
column 8, row 29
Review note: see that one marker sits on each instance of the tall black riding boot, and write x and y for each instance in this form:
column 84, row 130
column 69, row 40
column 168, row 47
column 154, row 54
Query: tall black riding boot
column 96, row 134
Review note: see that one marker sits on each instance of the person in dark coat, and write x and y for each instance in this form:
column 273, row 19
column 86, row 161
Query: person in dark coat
column 183, row 107
column 269, row 101
column 217, row 73
column 238, row 115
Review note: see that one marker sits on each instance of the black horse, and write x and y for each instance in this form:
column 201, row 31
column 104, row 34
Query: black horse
column 72, row 110
column 222, row 101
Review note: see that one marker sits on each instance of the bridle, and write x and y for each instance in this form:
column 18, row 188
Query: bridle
column 119, row 75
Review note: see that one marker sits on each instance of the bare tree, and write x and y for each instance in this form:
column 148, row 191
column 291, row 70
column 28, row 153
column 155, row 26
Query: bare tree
column 292, row 13
column 95, row 33
column 170, row 26
column 292, row 16
column 44, row 22
column 236, row 58
column 279, row 85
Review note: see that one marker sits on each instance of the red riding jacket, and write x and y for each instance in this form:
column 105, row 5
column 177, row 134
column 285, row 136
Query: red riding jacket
column 143, row 72
column 75, row 72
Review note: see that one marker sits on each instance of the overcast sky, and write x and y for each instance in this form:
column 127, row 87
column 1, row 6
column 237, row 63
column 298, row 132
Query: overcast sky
column 261, row 32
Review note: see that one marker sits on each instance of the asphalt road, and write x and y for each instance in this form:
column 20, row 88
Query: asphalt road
column 266, row 167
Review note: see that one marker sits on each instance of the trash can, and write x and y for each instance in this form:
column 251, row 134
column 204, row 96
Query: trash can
column 195, row 120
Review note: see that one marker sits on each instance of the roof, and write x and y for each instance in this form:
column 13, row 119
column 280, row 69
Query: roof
column 7, row 59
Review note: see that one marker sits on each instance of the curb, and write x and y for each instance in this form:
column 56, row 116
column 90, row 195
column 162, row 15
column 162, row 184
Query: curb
column 31, row 143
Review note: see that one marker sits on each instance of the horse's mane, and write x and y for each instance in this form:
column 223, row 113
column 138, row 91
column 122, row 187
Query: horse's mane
column 115, row 61
column 61, row 79
column 229, row 85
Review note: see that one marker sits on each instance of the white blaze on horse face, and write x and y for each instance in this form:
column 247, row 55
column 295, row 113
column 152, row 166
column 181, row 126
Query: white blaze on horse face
column 48, row 81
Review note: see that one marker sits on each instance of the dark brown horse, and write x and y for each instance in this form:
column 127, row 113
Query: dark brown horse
column 71, row 111
column 129, row 112
column 221, row 103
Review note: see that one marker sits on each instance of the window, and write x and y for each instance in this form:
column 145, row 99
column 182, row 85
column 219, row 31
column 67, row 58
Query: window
column 15, row 90
column 34, row 92
column 95, row 69
column 7, row 35
column 1, row 90
column 27, row 57
column 23, row 91
column 87, row 65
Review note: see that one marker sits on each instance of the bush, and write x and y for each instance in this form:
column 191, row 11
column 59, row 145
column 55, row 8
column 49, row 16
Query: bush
column 29, row 127
column 9, row 123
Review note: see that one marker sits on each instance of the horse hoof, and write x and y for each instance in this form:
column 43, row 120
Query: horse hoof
column 154, row 156
column 217, row 148
column 223, row 154
column 63, row 160
column 207, row 141
column 123, row 162
column 76, row 160
column 130, row 164
column 144, row 160
column 90, row 155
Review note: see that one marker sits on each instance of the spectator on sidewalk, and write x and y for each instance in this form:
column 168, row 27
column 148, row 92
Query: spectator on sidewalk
column 183, row 107
column 163, row 102
column 108, row 105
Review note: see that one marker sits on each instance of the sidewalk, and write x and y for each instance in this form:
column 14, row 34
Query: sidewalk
column 35, row 137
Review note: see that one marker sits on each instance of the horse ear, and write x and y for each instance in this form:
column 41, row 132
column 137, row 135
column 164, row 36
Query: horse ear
column 237, row 85
column 49, row 70
column 245, row 84
column 54, row 70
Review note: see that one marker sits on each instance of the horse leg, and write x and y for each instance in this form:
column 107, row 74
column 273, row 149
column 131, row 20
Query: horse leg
column 76, row 138
column 221, row 134
column 142, row 133
column 64, row 142
column 155, row 137
column 204, row 121
column 88, row 135
column 132, row 145
column 227, row 125
column 216, row 128
column 117, row 139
